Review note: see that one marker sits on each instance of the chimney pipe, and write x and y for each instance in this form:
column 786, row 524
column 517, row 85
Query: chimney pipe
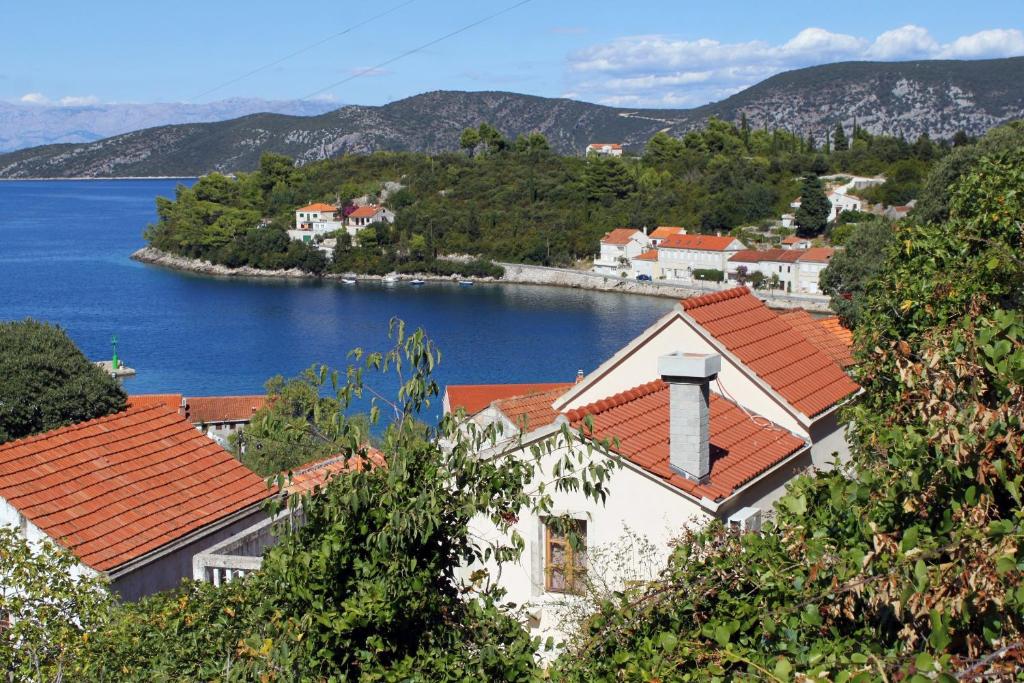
column 689, row 376
column 579, row 375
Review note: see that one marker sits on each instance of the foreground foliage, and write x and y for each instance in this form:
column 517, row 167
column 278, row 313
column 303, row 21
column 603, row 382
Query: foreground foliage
column 909, row 564
column 46, row 382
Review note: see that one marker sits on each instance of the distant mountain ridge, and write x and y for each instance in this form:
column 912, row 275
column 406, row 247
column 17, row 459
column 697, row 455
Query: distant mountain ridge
column 25, row 125
column 902, row 98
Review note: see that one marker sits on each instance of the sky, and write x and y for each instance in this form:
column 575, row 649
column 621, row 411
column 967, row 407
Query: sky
column 641, row 53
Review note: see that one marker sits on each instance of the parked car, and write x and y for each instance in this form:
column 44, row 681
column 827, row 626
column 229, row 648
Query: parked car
column 643, row 277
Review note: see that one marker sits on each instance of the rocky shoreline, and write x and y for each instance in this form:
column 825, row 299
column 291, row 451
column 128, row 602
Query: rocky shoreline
column 515, row 273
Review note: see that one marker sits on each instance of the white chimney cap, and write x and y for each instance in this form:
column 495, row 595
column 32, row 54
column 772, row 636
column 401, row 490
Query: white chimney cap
column 689, row 365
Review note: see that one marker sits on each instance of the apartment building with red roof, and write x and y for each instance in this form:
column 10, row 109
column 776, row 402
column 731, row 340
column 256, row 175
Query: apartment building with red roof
column 362, row 216
column 663, row 232
column 792, row 269
column 618, row 248
column 680, row 255
column 134, row 495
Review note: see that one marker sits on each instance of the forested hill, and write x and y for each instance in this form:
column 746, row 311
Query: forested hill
column 904, row 98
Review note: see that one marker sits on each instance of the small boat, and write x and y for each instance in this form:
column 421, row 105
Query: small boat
column 348, row 281
column 466, row 283
column 389, row 279
column 417, row 281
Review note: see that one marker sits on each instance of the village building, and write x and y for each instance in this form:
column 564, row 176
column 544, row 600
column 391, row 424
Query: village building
column 604, row 149
column 663, row 232
column 363, row 216
column 680, row 255
column 841, row 202
column 646, row 264
column 215, row 416
column 794, row 242
column 712, row 410
column 618, row 247
column 315, row 219
column 812, row 262
column 134, row 495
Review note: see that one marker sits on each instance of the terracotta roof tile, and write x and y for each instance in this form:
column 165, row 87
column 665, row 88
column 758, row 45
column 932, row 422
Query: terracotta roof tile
column 698, row 242
column 816, row 333
column 475, row 397
column 368, row 211
column 817, row 254
column 318, row 206
column 666, row 231
column 532, row 410
column 117, row 487
column 649, row 255
column 639, row 418
column 804, row 376
column 619, row 236
column 834, row 327
column 172, row 401
column 793, row 239
column 207, row 409
column 311, row 475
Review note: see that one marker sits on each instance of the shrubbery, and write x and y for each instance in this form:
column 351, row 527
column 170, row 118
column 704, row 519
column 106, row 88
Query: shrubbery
column 708, row 274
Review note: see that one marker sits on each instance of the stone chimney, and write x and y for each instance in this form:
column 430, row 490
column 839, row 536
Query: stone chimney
column 688, row 376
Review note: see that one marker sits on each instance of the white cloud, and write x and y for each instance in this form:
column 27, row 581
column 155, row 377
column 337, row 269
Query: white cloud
column 34, row 98
column 905, row 42
column 659, row 70
column 79, row 100
column 996, row 42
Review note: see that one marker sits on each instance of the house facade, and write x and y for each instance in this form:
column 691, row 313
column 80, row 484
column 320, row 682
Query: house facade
column 680, row 255
column 646, row 263
column 712, row 411
column 812, row 262
column 618, row 248
column 363, row 216
column 797, row 270
column 604, row 149
column 134, row 495
column 315, row 219
column 663, row 232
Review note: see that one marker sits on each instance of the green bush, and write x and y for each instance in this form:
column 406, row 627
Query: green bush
column 709, row 274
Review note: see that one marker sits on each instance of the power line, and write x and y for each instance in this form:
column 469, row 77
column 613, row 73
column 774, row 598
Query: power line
column 420, row 48
column 303, row 50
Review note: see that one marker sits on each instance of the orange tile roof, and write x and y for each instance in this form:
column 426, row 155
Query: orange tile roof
column 740, row 448
column 793, row 239
column 759, row 256
column 172, row 401
column 817, row 254
column 532, row 410
column 366, row 211
column 804, row 323
column 117, row 487
column 619, row 236
column 475, row 397
column 207, row 409
column 698, row 242
column 311, row 475
column 664, row 231
column 805, row 377
column 649, row 255
column 834, row 327
column 319, row 206
column 613, row 145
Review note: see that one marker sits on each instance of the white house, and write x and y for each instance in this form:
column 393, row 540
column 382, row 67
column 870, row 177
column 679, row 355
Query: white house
column 680, row 255
column 604, row 149
column 841, row 202
column 663, row 232
column 315, row 219
column 794, row 242
column 134, row 495
column 363, row 216
column 646, row 263
column 618, row 247
column 812, row 261
column 715, row 407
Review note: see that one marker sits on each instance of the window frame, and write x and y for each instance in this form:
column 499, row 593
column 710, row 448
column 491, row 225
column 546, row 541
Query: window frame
column 572, row 571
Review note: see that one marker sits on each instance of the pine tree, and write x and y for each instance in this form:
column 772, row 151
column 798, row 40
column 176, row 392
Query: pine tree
column 839, row 141
column 812, row 216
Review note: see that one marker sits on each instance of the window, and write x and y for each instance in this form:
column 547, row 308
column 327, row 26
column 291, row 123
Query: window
column 565, row 567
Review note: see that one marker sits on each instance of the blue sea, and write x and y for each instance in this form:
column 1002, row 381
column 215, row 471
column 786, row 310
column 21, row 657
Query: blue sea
column 64, row 258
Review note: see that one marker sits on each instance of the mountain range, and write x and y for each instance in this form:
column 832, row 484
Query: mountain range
column 898, row 98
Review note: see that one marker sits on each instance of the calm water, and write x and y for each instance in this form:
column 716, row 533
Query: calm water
column 64, row 248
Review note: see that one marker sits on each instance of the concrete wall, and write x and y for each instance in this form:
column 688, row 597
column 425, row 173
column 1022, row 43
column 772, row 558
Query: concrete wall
column 167, row 571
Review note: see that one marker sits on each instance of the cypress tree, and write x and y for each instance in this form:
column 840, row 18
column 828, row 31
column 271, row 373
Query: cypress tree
column 839, row 140
column 812, row 216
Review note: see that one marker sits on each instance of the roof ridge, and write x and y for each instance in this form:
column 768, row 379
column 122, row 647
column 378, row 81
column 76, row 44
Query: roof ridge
column 75, row 426
column 615, row 400
column 713, row 298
